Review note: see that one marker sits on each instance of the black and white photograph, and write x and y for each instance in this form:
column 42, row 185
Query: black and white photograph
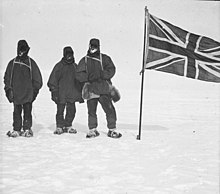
column 109, row 97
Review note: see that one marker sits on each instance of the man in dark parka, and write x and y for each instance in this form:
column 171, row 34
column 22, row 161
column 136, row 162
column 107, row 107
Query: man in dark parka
column 22, row 81
column 65, row 91
column 97, row 69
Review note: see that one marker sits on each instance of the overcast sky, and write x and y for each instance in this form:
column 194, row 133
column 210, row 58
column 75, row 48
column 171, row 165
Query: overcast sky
column 50, row 25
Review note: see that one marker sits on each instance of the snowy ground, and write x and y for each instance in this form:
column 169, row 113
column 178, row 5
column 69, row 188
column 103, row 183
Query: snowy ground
column 178, row 151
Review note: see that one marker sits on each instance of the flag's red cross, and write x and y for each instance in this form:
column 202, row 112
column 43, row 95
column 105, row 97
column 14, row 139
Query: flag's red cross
column 189, row 52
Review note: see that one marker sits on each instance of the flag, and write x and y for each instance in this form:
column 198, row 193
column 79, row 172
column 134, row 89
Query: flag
column 177, row 51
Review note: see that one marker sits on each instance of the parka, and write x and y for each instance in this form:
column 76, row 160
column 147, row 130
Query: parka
column 102, row 66
column 62, row 80
column 23, row 77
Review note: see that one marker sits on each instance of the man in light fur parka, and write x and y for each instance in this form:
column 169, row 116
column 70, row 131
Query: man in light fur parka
column 96, row 70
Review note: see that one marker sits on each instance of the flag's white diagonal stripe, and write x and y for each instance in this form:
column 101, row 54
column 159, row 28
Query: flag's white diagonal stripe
column 168, row 30
column 166, row 52
column 216, row 53
column 210, row 49
column 217, row 67
column 162, row 66
column 208, row 56
column 166, row 40
column 163, row 60
column 165, row 34
column 217, row 74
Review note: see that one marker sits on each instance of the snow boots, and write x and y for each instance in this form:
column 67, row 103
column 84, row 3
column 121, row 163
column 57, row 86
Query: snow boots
column 13, row 133
column 92, row 133
column 70, row 130
column 113, row 134
column 25, row 133
column 60, row 130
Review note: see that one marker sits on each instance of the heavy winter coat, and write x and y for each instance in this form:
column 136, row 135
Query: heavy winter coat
column 62, row 80
column 23, row 77
column 100, row 69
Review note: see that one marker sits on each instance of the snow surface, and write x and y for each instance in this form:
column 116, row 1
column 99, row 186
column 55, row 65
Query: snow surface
column 178, row 151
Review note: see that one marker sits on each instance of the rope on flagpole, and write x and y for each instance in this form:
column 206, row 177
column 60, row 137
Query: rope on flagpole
column 145, row 52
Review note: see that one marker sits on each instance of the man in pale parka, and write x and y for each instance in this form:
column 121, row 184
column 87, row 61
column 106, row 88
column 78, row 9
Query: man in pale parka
column 96, row 70
column 65, row 91
column 22, row 81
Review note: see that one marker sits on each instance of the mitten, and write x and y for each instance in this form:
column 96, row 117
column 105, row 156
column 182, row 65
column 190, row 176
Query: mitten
column 10, row 95
column 35, row 93
column 115, row 95
column 81, row 100
column 55, row 96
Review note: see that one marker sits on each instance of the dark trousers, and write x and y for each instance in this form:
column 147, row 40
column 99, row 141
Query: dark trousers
column 27, row 116
column 108, row 108
column 70, row 114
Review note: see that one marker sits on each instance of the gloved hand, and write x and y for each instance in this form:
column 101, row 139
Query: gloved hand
column 81, row 100
column 10, row 95
column 35, row 93
column 55, row 96
column 94, row 76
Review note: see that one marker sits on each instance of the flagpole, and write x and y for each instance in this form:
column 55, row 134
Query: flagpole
column 145, row 51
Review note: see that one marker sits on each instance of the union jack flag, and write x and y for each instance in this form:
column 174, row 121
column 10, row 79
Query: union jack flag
column 174, row 50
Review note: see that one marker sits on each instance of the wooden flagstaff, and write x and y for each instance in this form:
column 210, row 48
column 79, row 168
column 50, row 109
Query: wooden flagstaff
column 145, row 52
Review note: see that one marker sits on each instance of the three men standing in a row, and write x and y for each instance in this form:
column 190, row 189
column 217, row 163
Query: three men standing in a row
column 23, row 81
